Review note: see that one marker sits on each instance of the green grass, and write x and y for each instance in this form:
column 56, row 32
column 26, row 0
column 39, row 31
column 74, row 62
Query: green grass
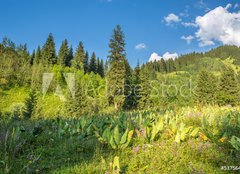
column 71, row 146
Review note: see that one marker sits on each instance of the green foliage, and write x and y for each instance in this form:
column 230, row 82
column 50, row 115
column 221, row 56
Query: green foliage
column 235, row 142
column 206, row 87
column 79, row 57
column 228, row 88
column 76, row 104
column 93, row 64
column 86, row 63
column 49, row 52
column 114, row 138
column 119, row 70
column 30, row 104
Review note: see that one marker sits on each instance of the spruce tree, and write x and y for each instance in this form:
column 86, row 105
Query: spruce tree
column 163, row 66
column 136, row 85
column 206, row 87
column 78, row 60
column 30, row 104
column 63, row 53
column 76, row 105
column 37, row 58
column 86, row 63
column 100, row 67
column 32, row 57
column 93, row 64
column 70, row 56
column 144, row 90
column 49, row 52
column 228, row 93
column 116, row 77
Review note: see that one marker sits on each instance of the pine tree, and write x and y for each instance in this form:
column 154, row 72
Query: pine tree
column 116, row 77
column 86, row 63
column 129, row 96
column 70, row 56
column 76, row 105
column 144, row 90
column 49, row 52
column 100, row 67
column 93, row 64
column 37, row 58
column 63, row 53
column 32, row 57
column 79, row 56
column 228, row 93
column 163, row 66
column 136, row 85
column 206, row 87
column 30, row 104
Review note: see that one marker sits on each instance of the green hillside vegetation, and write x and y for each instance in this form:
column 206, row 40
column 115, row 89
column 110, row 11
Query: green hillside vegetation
column 173, row 116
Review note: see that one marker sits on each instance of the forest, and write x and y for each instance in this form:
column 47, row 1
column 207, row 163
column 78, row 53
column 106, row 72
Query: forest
column 69, row 111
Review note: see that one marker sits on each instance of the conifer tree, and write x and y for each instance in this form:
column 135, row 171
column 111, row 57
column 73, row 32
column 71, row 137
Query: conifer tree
column 136, row 85
column 93, row 64
column 206, row 87
column 100, row 67
column 116, row 78
column 37, row 58
column 30, row 104
column 49, row 52
column 228, row 93
column 63, row 53
column 144, row 91
column 70, row 56
column 163, row 66
column 32, row 57
column 86, row 63
column 76, row 105
column 79, row 56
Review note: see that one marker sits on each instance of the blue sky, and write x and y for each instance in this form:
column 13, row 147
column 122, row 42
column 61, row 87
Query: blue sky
column 159, row 26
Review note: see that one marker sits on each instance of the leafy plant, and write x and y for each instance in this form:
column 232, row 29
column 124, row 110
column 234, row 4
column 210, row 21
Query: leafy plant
column 115, row 139
column 235, row 142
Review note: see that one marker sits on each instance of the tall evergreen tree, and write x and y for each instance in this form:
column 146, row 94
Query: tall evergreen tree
column 163, row 66
column 228, row 92
column 37, row 58
column 32, row 57
column 144, row 90
column 76, row 105
column 70, row 56
column 49, row 52
column 79, row 56
column 116, row 77
column 100, row 67
column 86, row 63
column 30, row 104
column 206, row 87
column 93, row 64
column 136, row 85
column 63, row 53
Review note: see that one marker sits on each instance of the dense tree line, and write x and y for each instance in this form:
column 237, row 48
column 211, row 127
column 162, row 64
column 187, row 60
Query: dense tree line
column 115, row 83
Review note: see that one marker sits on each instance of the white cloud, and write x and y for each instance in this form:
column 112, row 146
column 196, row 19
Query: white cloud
column 218, row 25
column 188, row 39
column 236, row 6
column 141, row 46
column 189, row 24
column 154, row 56
column 172, row 18
column 166, row 56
